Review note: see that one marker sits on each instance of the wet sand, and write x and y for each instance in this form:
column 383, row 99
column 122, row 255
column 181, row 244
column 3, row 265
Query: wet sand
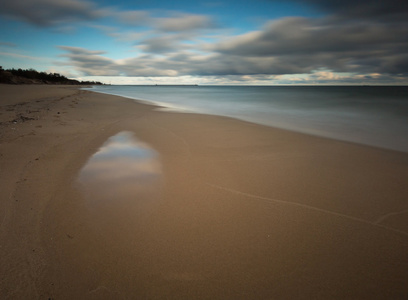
column 236, row 210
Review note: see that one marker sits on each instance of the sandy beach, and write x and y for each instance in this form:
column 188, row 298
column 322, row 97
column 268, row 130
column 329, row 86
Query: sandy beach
column 239, row 210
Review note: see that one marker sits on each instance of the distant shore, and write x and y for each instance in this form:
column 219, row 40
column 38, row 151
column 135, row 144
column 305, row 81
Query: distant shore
column 31, row 76
column 246, row 211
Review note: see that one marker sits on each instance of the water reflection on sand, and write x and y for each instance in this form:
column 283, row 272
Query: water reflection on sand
column 122, row 178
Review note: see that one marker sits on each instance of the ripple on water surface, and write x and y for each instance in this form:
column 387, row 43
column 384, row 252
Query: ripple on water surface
column 122, row 179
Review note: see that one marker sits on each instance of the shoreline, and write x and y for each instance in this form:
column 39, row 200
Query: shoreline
column 246, row 210
column 384, row 137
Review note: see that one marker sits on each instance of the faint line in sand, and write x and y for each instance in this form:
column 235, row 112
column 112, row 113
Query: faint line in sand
column 386, row 216
column 271, row 200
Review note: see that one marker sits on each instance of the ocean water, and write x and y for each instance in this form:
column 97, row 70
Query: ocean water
column 370, row 115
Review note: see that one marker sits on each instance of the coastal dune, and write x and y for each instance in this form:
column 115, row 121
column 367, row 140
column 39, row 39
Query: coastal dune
column 240, row 211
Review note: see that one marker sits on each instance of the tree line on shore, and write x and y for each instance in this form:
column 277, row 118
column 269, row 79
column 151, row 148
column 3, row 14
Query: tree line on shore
column 31, row 76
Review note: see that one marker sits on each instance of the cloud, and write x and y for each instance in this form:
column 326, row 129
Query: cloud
column 165, row 43
column 120, row 34
column 364, row 46
column 309, row 36
column 391, row 10
column 46, row 13
column 16, row 55
column 133, row 17
column 128, row 36
column 175, row 34
column 184, row 22
column 149, row 65
column 158, row 35
column 176, row 22
column 90, row 62
column 7, row 44
column 80, row 51
column 93, row 63
column 160, row 44
column 176, row 64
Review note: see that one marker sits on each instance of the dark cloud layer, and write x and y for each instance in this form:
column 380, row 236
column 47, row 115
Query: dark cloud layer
column 363, row 46
column 49, row 12
column 391, row 10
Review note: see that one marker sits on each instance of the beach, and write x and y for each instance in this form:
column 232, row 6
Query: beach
column 240, row 210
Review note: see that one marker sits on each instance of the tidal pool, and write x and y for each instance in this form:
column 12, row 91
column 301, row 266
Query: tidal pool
column 123, row 179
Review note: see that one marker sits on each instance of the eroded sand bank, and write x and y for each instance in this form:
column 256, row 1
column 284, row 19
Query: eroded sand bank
column 243, row 211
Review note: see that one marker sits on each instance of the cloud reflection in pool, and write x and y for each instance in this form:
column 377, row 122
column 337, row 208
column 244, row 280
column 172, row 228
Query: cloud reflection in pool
column 124, row 175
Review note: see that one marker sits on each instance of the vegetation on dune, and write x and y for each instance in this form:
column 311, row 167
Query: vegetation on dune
column 31, row 76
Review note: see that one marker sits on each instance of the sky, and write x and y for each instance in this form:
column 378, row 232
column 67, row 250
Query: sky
column 217, row 42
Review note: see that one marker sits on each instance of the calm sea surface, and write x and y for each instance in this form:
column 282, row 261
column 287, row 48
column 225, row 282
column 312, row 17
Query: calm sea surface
column 376, row 116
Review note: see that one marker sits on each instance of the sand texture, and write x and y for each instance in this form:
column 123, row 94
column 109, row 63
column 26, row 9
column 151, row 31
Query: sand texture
column 236, row 211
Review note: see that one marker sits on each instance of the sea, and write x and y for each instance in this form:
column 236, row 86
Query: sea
column 369, row 115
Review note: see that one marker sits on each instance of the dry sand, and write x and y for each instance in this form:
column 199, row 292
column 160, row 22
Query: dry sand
column 245, row 212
